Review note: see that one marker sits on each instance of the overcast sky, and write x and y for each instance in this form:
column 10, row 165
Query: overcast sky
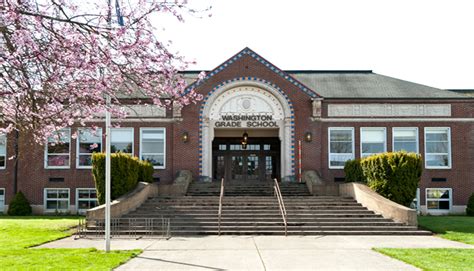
column 425, row 41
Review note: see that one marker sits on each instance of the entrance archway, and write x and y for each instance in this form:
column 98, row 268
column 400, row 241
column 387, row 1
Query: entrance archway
column 249, row 104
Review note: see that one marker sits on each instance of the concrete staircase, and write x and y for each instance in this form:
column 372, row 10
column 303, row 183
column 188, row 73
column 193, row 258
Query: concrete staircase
column 251, row 209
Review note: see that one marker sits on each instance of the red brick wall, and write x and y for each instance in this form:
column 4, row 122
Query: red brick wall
column 33, row 177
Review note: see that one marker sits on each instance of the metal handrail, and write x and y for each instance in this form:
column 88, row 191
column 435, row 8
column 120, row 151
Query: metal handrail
column 221, row 197
column 281, row 204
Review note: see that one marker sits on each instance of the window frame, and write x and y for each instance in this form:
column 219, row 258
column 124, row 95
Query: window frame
column 361, row 142
column 124, row 129
column 2, row 208
column 450, row 161
column 164, row 145
column 439, row 210
column 69, row 154
column 78, row 142
column 6, row 145
column 406, row 128
column 89, row 199
column 329, row 144
column 45, row 199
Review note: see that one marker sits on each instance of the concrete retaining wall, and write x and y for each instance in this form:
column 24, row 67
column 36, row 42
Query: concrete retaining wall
column 375, row 202
column 125, row 203
column 316, row 185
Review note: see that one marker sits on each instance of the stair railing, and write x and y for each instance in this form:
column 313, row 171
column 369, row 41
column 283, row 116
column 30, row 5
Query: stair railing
column 281, row 204
column 221, row 197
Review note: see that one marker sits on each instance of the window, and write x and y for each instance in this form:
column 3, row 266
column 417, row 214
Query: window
column 122, row 140
column 152, row 146
column 88, row 142
column 56, row 199
column 405, row 139
column 341, row 146
column 437, row 147
column 372, row 141
column 2, row 200
column 438, row 198
column 3, row 151
column 86, row 198
column 58, row 149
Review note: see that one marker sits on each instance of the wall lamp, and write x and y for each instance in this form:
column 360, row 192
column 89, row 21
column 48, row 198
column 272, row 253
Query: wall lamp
column 308, row 137
column 185, row 137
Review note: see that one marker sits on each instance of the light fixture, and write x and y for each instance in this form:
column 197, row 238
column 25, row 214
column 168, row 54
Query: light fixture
column 308, row 137
column 185, row 137
column 245, row 137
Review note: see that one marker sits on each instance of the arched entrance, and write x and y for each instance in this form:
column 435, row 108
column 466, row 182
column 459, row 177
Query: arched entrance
column 263, row 111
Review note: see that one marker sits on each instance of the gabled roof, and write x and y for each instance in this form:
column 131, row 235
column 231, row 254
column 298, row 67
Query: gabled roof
column 270, row 66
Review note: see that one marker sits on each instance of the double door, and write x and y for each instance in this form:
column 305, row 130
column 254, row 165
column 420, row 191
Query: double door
column 258, row 162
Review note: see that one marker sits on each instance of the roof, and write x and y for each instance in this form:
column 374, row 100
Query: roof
column 466, row 92
column 366, row 84
column 360, row 84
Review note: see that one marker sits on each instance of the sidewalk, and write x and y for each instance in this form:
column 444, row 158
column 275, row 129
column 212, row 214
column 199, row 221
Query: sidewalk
column 265, row 252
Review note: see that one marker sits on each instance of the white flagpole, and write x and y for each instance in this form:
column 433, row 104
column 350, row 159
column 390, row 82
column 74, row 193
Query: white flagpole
column 107, row 160
column 107, row 177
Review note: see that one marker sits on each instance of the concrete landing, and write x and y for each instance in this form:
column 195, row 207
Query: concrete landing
column 265, row 252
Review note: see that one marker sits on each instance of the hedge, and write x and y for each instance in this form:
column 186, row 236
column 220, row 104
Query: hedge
column 470, row 206
column 354, row 172
column 145, row 172
column 19, row 205
column 394, row 175
column 126, row 172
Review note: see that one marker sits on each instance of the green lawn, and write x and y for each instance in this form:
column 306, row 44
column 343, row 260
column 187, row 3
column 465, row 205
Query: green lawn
column 17, row 234
column 433, row 258
column 456, row 228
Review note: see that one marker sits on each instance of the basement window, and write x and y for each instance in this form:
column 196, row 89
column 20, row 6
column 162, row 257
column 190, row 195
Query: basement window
column 56, row 199
column 438, row 199
column 86, row 198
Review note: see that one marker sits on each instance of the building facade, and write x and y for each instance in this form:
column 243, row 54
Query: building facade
column 254, row 122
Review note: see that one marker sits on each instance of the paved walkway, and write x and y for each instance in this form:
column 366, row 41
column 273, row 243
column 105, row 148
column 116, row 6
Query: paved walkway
column 265, row 252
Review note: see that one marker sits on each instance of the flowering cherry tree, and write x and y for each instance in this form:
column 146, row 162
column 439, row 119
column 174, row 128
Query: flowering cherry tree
column 59, row 59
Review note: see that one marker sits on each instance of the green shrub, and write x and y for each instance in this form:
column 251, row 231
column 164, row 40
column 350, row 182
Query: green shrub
column 146, row 172
column 394, row 175
column 470, row 206
column 124, row 174
column 19, row 205
column 354, row 172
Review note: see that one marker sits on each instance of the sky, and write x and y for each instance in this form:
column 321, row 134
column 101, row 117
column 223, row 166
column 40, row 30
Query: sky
column 430, row 42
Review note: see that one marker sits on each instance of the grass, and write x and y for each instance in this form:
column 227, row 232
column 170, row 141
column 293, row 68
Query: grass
column 434, row 258
column 456, row 228
column 18, row 234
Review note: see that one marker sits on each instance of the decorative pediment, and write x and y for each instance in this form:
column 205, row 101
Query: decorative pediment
column 246, row 101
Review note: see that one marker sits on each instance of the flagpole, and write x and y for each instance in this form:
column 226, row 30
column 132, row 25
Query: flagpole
column 107, row 158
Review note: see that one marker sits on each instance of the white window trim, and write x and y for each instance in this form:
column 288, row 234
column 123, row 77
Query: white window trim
column 45, row 199
column 2, row 210
column 6, row 145
column 125, row 129
column 373, row 128
column 77, row 196
column 46, row 154
column 439, row 210
column 449, row 148
column 164, row 144
column 78, row 148
column 329, row 144
column 406, row 128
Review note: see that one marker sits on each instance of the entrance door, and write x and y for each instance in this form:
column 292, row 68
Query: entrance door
column 260, row 161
